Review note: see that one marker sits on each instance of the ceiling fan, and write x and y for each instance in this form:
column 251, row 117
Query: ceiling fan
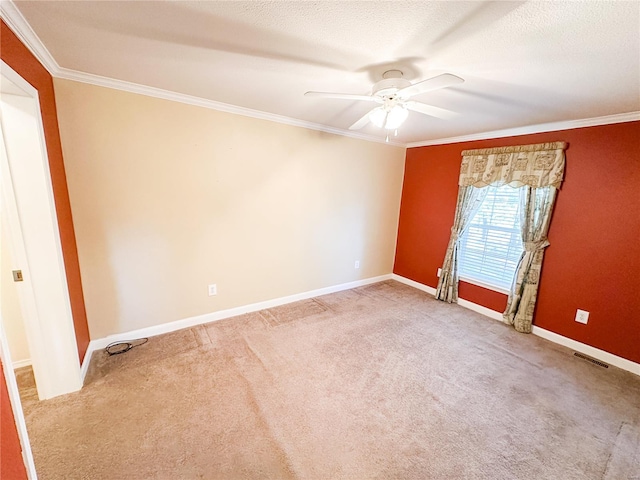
column 393, row 93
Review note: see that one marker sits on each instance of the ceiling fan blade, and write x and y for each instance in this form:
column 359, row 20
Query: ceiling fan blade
column 362, row 122
column 430, row 110
column 343, row 96
column 434, row 83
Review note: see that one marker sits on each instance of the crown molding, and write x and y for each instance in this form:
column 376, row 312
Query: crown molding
column 530, row 129
column 101, row 81
column 19, row 25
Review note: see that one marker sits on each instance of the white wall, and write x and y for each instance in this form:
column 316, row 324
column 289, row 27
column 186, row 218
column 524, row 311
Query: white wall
column 167, row 198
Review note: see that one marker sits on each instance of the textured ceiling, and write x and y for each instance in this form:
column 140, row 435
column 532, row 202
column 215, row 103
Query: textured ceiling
column 524, row 63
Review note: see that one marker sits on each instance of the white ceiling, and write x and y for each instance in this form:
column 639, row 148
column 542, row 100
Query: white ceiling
column 524, row 63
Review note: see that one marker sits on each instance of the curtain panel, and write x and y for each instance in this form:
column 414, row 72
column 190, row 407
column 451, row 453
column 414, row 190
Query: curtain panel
column 469, row 201
column 536, row 205
column 538, row 170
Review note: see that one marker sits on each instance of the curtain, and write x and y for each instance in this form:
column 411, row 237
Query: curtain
column 536, row 205
column 536, row 165
column 538, row 170
column 469, row 201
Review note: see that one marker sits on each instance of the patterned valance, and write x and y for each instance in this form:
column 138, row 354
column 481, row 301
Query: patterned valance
column 538, row 165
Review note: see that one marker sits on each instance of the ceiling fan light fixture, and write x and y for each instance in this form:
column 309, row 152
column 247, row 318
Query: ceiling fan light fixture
column 378, row 116
column 389, row 119
column 396, row 117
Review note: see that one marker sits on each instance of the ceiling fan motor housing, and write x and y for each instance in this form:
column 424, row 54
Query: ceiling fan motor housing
column 391, row 82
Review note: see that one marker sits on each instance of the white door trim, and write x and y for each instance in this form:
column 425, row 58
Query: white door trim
column 45, row 302
column 16, row 405
column 5, row 355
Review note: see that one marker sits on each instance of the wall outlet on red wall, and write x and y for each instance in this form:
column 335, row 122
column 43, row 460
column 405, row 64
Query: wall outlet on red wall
column 582, row 316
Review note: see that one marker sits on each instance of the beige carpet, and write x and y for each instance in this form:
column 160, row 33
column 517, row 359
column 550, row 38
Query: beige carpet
column 379, row 382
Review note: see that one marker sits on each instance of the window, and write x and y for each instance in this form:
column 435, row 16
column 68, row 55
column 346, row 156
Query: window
column 491, row 246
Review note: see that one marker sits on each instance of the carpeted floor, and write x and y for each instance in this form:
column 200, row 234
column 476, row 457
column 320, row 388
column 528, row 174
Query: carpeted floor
column 379, row 382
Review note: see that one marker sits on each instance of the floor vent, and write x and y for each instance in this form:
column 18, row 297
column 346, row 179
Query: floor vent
column 592, row 360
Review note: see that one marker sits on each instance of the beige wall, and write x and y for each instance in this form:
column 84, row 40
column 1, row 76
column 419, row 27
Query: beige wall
column 168, row 198
column 18, row 123
column 10, row 309
column 12, row 320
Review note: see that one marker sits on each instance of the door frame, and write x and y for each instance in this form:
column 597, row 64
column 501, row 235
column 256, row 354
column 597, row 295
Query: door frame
column 34, row 236
column 16, row 405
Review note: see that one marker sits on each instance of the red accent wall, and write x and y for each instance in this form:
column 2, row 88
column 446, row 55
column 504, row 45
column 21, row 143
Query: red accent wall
column 20, row 59
column 11, row 463
column 593, row 262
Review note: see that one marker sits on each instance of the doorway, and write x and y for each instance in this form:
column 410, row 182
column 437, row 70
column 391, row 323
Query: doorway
column 31, row 231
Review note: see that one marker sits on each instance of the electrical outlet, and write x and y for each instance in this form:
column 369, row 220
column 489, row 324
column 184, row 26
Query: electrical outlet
column 213, row 289
column 439, row 272
column 357, row 265
column 582, row 316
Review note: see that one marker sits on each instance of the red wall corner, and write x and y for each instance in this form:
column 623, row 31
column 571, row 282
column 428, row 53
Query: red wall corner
column 20, row 59
column 593, row 262
column 11, row 462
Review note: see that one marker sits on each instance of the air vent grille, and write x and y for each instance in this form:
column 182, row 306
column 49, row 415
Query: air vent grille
column 592, row 360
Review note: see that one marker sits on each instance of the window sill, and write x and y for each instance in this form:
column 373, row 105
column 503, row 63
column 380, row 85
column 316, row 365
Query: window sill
column 479, row 283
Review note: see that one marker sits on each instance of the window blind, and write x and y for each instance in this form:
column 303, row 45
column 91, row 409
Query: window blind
column 491, row 246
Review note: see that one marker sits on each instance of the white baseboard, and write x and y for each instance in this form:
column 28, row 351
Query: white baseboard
column 84, row 366
column 21, row 363
column 593, row 352
column 154, row 330
column 414, row 284
column 487, row 312
column 101, row 343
